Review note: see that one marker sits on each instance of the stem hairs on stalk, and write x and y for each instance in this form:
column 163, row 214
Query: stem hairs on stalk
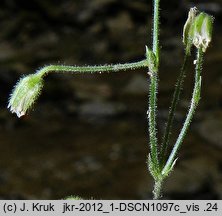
column 28, row 88
column 197, row 32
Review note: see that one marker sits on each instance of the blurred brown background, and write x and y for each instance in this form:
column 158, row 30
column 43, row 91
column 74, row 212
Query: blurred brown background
column 87, row 134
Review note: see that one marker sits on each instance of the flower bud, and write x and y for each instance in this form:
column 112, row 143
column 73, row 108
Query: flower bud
column 187, row 40
column 25, row 93
column 201, row 31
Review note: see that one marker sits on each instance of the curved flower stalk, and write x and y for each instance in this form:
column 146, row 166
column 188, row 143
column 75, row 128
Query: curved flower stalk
column 200, row 36
column 28, row 88
column 197, row 33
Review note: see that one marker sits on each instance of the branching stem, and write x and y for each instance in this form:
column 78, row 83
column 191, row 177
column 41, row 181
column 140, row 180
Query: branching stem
column 193, row 105
column 160, row 162
column 174, row 103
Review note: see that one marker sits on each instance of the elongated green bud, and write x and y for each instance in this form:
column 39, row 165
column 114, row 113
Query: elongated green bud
column 187, row 38
column 201, row 31
column 25, row 93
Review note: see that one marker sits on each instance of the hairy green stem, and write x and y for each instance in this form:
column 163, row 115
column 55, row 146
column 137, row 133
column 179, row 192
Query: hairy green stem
column 156, row 29
column 92, row 69
column 193, row 105
column 171, row 114
column 153, row 102
column 157, row 191
column 152, row 122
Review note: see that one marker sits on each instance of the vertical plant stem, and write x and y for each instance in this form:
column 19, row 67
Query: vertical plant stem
column 194, row 103
column 153, row 102
column 156, row 29
column 157, row 189
column 174, row 102
column 154, row 88
column 152, row 122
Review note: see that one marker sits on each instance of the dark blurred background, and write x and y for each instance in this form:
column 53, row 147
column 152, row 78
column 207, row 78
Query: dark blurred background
column 87, row 134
